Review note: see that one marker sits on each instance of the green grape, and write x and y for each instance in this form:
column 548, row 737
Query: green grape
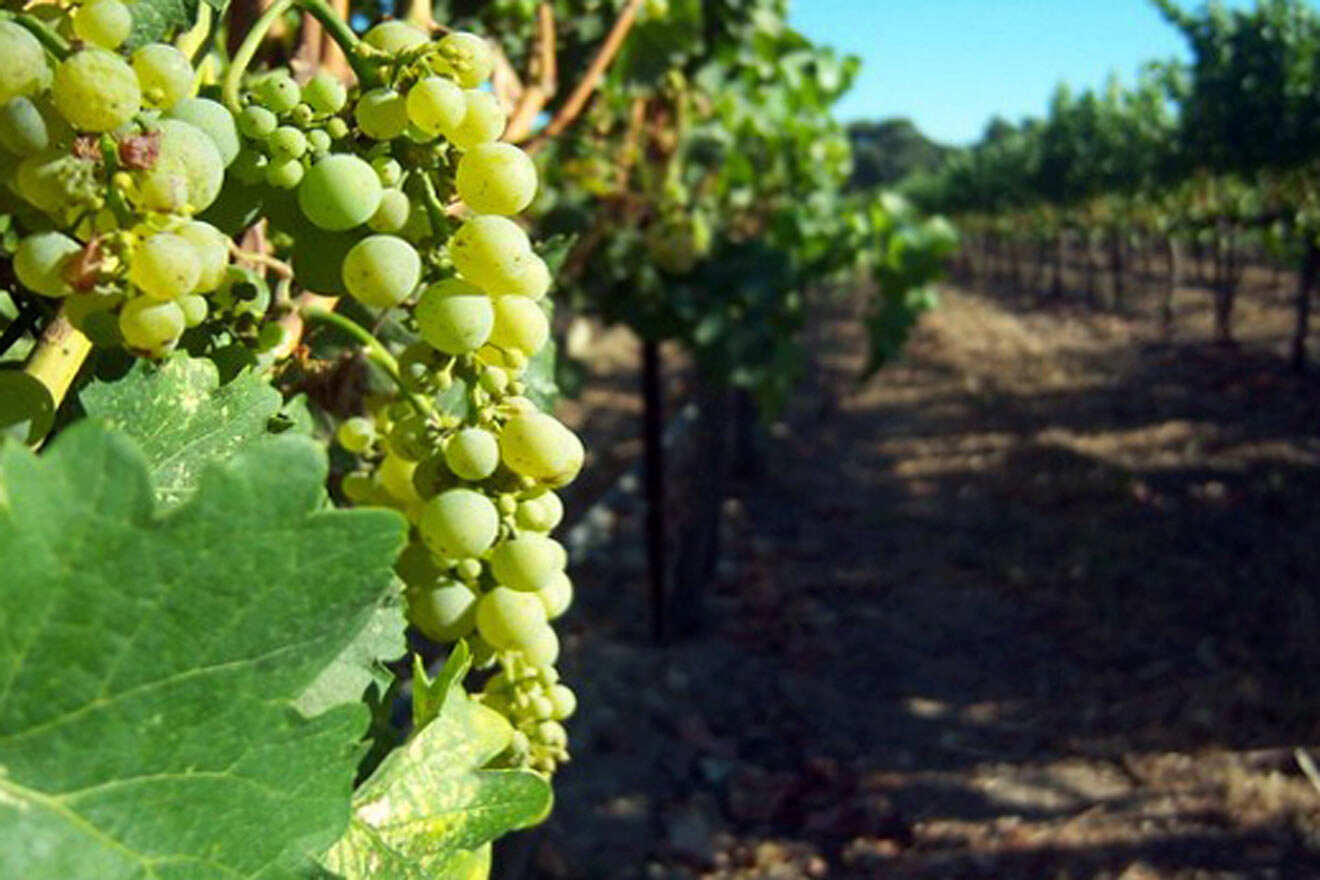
column 337, row 128
column 396, row 476
column 388, row 170
column 392, row 213
column 257, row 122
column 416, row 566
column 212, row 249
column 325, row 93
column 213, row 119
column 563, row 702
column 277, row 92
column 537, row 445
column 520, row 325
column 96, row 90
column 285, row 173
column 556, row 595
column 459, row 523
column 318, row 142
column 164, row 73
column 489, row 250
column 165, row 266
column 468, row 58
column 150, row 325
column 188, row 172
column 287, row 142
column 302, row 115
column 482, row 122
column 339, row 192
column 358, row 487
column 23, row 130
column 356, row 434
column 508, row 619
column 40, row 261
column 496, row 178
column 381, row 270
column 104, row 23
column 23, row 68
column 395, row 37
column 249, row 166
column 436, row 105
column 194, row 309
column 540, row 647
column 540, row 514
column 472, row 453
column 58, row 182
column 382, row 114
column 526, row 562
column 532, row 280
column 444, row 612
column 454, row 317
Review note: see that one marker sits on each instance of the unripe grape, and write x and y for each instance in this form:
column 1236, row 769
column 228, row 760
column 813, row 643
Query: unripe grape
column 445, row 612
column 325, row 93
column 392, row 213
column 194, row 309
column 472, row 453
column 96, row 90
column 557, row 595
column 454, row 317
column 381, row 114
column 23, row 130
column 381, row 270
column 278, row 92
column 357, row 487
column 395, row 476
column 395, row 37
column 483, row 121
column 23, row 68
column 318, row 141
column 489, row 250
column 214, row 120
column 508, row 619
column 165, row 266
column 436, row 105
column 40, row 261
column 103, row 23
column 526, row 562
column 212, row 248
column 520, row 325
column 302, row 115
column 537, row 445
column 287, row 142
column 285, row 173
column 540, row 514
column 188, row 172
column 540, row 648
column 496, row 178
column 149, row 325
column 339, row 192
column 356, row 434
column 532, row 280
column 564, row 702
column 249, row 166
column 468, row 58
column 164, row 73
column 459, row 523
column 337, row 128
column 257, row 122
column 388, row 170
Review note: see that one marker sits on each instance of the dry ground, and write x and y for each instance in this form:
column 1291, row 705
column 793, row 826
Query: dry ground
column 1042, row 601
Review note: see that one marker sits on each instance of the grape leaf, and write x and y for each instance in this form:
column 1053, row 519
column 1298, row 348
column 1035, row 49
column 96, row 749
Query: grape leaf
column 183, row 418
column 149, row 663
column 362, row 662
column 26, row 408
column 429, row 811
column 158, row 20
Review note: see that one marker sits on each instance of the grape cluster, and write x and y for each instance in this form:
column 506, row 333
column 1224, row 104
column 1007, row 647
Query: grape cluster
column 115, row 154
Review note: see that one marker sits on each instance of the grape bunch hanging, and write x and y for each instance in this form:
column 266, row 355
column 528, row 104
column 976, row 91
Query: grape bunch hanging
column 122, row 167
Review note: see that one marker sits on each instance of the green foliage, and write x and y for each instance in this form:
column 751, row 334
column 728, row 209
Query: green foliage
column 887, row 152
column 148, row 705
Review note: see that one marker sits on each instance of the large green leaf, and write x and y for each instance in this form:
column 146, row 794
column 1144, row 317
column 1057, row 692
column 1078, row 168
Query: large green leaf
column 158, row 20
column 429, row 812
column 182, row 417
column 149, row 663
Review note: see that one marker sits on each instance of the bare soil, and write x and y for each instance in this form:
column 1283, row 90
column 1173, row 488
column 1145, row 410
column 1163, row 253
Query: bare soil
column 1041, row 601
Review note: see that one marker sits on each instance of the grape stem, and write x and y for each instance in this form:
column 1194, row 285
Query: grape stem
column 58, row 356
column 375, row 350
column 118, row 207
column 54, row 43
column 336, row 27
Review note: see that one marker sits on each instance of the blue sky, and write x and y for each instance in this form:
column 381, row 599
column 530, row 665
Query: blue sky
column 952, row 64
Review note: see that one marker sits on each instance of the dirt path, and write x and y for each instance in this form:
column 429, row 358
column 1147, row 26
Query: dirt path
column 1041, row 602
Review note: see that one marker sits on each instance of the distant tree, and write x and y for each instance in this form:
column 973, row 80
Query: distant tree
column 888, row 151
